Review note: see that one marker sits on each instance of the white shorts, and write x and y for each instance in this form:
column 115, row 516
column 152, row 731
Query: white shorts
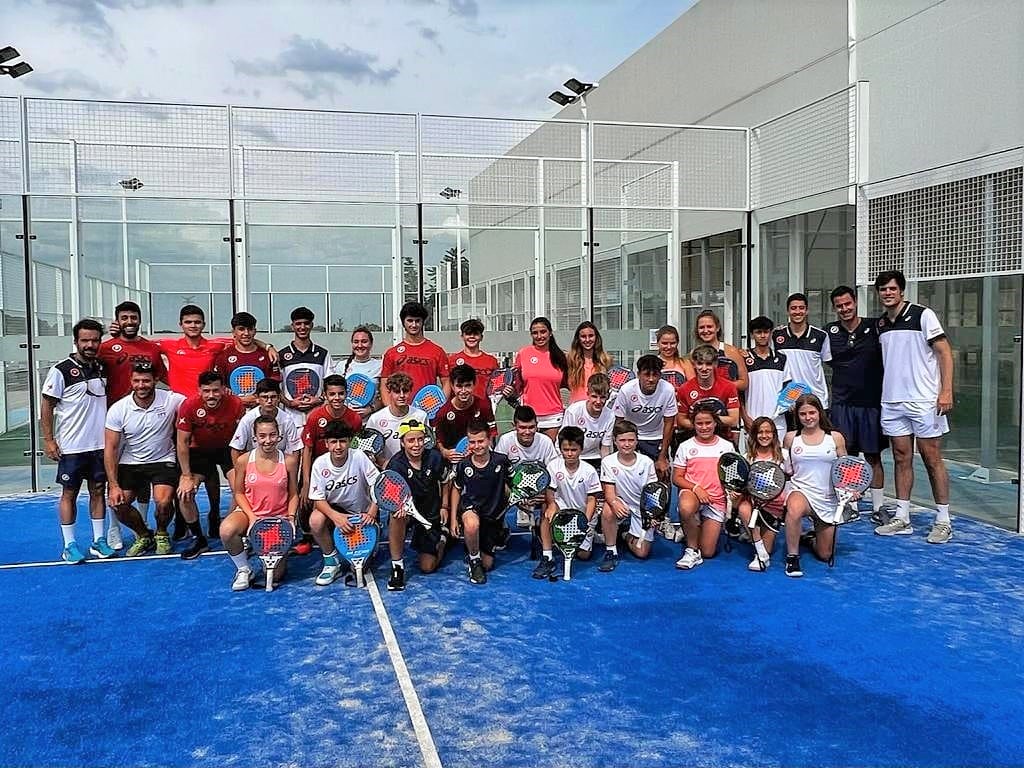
column 554, row 421
column 712, row 512
column 912, row 418
column 636, row 528
column 298, row 418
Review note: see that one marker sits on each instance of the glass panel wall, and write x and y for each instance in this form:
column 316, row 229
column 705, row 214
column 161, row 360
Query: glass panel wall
column 15, row 472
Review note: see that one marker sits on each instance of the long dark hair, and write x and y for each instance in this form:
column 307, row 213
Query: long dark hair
column 555, row 352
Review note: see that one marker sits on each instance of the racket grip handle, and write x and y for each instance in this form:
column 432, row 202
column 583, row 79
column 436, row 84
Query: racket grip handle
column 567, row 569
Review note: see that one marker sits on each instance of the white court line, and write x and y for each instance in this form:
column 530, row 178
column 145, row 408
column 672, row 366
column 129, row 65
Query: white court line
column 98, row 560
column 412, row 702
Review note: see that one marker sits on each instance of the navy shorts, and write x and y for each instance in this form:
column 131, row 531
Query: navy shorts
column 494, row 533
column 73, row 468
column 861, row 425
column 423, row 541
column 206, row 463
column 649, row 448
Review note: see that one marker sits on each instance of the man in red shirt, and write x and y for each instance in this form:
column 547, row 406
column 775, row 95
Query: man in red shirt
column 424, row 361
column 465, row 406
column 205, row 424
column 243, row 363
column 120, row 353
column 706, row 385
column 472, row 332
column 315, row 444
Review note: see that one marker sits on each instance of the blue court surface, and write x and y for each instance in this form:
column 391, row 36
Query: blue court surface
column 904, row 654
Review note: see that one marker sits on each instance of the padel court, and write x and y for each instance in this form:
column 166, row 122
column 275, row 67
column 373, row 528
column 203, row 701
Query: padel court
column 904, row 654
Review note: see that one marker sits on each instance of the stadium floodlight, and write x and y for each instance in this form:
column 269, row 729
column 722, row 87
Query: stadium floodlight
column 9, row 53
column 578, row 87
column 561, row 99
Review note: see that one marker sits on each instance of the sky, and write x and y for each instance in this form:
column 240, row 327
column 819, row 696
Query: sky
column 462, row 57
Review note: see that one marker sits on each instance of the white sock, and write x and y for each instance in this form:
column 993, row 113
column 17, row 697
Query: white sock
column 115, row 524
column 762, row 551
column 332, row 556
column 942, row 513
column 398, row 563
column 548, row 555
column 97, row 527
column 240, row 560
column 474, row 558
column 614, row 549
column 903, row 510
column 68, row 532
column 877, row 498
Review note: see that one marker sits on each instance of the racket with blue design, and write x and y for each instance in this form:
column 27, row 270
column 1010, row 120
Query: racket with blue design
column 370, row 441
column 765, row 482
column 851, row 476
column 392, row 494
column 271, row 538
column 675, row 378
column 430, row 399
column 244, row 378
column 790, row 393
column 301, row 382
column 462, row 447
column 653, row 504
column 733, row 472
column 360, row 390
column 358, row 546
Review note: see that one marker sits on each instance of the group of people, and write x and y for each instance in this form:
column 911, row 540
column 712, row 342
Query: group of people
column 286, row 448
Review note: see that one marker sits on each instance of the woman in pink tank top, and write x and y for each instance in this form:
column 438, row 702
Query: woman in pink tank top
column 265, row 485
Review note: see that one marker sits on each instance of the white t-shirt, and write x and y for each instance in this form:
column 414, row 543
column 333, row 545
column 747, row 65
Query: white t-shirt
column 347, row 486
column 385, row 422
column 81, row 409
column 629, row 481
column 147, row 434
column 911, row 367
column 571, row 490
column 541, row 450
column 369, row 367
column 647, row 412
column 596, row 432
column 244, row 440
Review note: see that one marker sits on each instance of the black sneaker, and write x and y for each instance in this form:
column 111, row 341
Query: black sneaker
column 213, row 526
column 793, row 566
column 477, row 573
column 199, row 545
column 544, row 568
column 397, row 581
column 610, row 562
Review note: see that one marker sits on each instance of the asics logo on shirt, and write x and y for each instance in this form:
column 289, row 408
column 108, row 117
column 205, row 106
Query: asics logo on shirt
column 341, row 483
column 646, row 409
column 591, row 434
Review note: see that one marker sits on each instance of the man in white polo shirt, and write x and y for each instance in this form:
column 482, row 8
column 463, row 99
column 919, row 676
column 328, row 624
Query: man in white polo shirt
column 73, row 409
column 917, row 393
column 140, row 453
column 805, row 346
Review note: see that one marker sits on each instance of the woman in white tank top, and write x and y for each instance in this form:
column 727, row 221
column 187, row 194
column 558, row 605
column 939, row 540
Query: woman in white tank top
column 812, row 451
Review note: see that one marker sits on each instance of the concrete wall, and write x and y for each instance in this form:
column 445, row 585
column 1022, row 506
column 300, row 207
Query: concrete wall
column 945, row 80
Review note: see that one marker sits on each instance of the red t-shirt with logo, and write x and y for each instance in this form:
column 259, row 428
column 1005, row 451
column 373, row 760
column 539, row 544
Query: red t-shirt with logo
column 185, row 362
column 450, row 423
column 231, row 359
column 691, row 392
column 425, row 363
column 484, row 365
column 316, row 424
column 210, row 430
column 120, row 355
column 542, row 382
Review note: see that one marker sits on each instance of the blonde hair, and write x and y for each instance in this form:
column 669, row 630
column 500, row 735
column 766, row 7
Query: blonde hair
column 575, row 359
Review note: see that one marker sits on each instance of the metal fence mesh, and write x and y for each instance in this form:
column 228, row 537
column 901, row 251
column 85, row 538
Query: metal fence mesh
column 806, row 152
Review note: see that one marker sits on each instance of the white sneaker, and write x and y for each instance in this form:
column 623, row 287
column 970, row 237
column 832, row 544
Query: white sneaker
column 895, row 527
column 524, row 518
column 243, row 579
column 758, row 565
column 670, row 532
column 940, row 533
column 691, row 559
column 114, row 540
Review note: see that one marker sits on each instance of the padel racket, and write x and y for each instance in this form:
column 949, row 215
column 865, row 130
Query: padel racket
column 271, row 538
column 765, row 483
column 462, row 446
column 713, row 403
column 618, row 377
column 733, row 472
column 529, row 479
column 429, row 439
column 790, row 393
column 244, row 378
column 851, row 476
column 392, row 493
column 358, row 546
column 675, row 378
column 360, row 390
column 653, row 503
column 370, row 441
column 430, row 399
column 568, row 529
column 727, row 367
column 501, row 378
column 301, row 382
